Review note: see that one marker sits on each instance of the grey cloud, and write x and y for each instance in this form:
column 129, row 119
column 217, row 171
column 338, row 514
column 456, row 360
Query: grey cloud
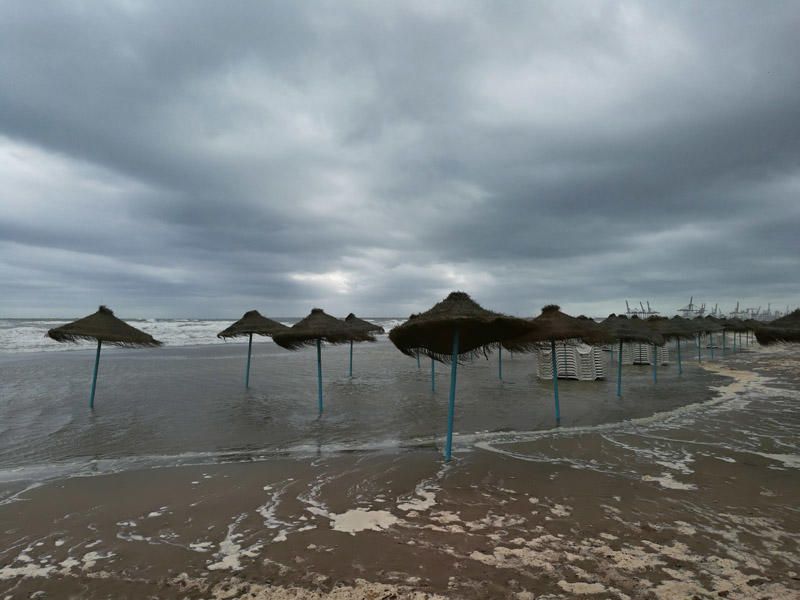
column 202, row 159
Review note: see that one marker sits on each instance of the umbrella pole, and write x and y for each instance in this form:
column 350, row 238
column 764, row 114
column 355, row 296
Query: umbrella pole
column 351, row 358
column 500, row 362
column 94, row 375
column 723, row 342
column 418, row 359
column 734, row 341
column 680, row 366
column 655, row 364
column 619, row 371
column 711, row 344
column 555, row 378
column 452, row 406
column 699, row 356
column 319, row 373
column 247, row 369
column 433, row 376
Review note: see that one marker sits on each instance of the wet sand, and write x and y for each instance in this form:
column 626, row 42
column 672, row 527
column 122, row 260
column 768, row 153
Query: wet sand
column 699, row 501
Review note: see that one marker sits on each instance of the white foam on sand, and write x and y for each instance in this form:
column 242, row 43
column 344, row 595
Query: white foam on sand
column 269, row 509
column 580, row 587
column 667, row 481
column 789, row 460
column 201, row 546
column 230, row 550
column 90, row 558
column 358, row 519
column 359, row 590
column 425, row 500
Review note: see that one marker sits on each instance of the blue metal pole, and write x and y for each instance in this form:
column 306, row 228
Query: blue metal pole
column 680, row 366
column 94, row 375
column 351, row 358
column 555, row 378
column 500, row 362
column 319, row 373
column 452, row 406
column 433, row 376
column 619, row 371
column 655, row 364
column 247, row 369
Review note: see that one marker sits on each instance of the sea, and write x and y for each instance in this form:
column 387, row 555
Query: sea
column 183, row 482
column 29, row 335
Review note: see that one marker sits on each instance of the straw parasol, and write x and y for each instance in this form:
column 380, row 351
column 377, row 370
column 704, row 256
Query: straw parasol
column 785, row 329
column 677, row 328
column 361, row 325
column 102, row 326
column 316, row 328
column 708, row 325
column 552, row 325
column 453, row 329
column 252, row 323
column 737, row 326
column 752, row 325
column 632, row 330
column 354, row 321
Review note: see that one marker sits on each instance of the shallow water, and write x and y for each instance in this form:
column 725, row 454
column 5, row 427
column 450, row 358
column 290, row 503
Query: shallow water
column 189, row 404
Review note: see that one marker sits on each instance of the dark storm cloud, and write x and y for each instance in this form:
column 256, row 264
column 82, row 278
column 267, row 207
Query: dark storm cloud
column 200, row 159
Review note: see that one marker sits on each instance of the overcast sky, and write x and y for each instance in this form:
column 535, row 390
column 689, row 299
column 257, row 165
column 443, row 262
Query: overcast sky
column 202, row 159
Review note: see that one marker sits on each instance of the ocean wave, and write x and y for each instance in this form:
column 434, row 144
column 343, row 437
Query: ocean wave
column 30, row 335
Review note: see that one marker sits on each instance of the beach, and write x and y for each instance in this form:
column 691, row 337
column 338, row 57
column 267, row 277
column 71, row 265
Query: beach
column 182, row 484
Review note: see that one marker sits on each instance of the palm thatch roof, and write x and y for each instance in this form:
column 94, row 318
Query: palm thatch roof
column 734, row 324
column 632, row 330
column 319, row 325
column 252, row 323
column 431, row 333
column 354, row 321
column 672, row 329
column 103, row 326
column 790, row 320
column 785, row 329
column 752, row 324
column 707, row 324
column 552, row 325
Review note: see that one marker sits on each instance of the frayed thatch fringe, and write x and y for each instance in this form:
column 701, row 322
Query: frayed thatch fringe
column 252, row 323
column 104, row 327
column 479, row 330
column 321, row 326
column 354, row 321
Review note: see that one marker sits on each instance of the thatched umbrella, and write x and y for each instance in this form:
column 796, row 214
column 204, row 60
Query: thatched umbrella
column 102, row 326
column 785, row 329
column 752, row 325
column 316, row 328
column 631, row 330
column 361, row 325
column 676, row 328
column 252, row 323
column 737, row 326
column 708, row 325
column 551, row 326
column 457, row 327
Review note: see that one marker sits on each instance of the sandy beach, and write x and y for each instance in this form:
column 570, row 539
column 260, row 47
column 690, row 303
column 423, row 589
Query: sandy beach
column 697, row 500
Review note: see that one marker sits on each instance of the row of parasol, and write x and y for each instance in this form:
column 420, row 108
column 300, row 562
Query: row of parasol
column 453, row 330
